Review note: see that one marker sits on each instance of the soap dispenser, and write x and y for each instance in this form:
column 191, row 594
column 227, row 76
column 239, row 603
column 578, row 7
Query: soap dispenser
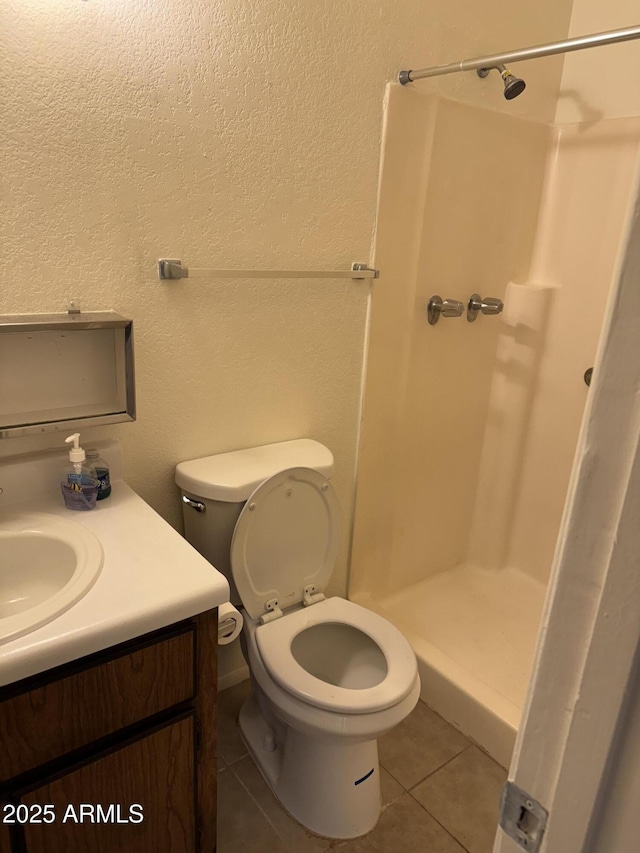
column 79, row 484
column 102, row 472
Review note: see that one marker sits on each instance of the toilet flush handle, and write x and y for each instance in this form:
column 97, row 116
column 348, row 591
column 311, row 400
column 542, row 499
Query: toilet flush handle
column 197, row 505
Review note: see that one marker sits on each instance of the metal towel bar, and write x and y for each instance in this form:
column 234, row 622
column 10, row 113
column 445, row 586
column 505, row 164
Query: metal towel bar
column 170, row 269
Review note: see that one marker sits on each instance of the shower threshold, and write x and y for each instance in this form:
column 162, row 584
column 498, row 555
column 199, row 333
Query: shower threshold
column 474, row 633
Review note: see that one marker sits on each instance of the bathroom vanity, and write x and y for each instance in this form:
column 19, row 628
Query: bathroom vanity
column 108, row 698
column 131, row 729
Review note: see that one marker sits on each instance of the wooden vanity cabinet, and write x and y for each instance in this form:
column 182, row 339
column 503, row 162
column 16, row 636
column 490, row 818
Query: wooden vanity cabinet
column 119, row 747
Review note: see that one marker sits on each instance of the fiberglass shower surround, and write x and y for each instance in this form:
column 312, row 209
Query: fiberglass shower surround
column 467, row 443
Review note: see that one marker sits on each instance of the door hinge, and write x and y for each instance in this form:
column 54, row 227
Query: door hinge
column 522, row 818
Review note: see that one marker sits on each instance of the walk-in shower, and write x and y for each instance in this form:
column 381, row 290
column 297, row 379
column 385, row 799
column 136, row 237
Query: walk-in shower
column 469, row 428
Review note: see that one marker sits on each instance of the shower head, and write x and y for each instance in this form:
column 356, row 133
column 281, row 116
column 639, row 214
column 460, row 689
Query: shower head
column 513, row 86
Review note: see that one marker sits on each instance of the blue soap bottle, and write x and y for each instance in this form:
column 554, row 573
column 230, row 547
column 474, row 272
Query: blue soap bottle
column 102, row 472
column 79, row 484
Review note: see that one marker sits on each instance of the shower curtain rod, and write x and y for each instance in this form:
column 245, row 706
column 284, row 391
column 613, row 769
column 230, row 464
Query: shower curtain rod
column 495, row 59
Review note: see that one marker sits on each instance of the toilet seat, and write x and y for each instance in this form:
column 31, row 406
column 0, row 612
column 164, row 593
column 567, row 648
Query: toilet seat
column 274, row 640
column 285, row 541
column 283, row 552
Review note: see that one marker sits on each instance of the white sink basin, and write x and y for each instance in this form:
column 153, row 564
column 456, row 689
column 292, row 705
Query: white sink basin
column 47, row 563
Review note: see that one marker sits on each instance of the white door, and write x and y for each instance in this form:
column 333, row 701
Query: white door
column 578, row 749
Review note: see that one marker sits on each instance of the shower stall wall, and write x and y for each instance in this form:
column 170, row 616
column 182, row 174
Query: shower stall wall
column 469, row 428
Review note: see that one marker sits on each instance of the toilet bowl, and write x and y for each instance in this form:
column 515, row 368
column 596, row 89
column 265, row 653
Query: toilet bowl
column 328, row 676
column 315, row 741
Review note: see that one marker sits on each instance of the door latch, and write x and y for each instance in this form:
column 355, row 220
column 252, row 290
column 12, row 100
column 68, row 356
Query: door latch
column 522, row 818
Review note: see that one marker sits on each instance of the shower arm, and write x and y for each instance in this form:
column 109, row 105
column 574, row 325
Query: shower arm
column 493, row 60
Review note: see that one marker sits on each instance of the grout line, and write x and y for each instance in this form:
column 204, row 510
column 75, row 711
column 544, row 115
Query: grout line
column 392, row 776
column 441, row 825
column 277, row 804
column 256, row 803
column 395, row 799
column 439, row 768
column 235, row 760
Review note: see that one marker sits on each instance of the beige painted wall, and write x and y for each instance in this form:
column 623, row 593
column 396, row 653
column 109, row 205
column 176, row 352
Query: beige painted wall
column 226, row 134
column 600, row 83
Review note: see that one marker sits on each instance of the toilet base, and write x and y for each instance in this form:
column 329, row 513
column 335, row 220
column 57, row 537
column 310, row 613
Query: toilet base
column 329, row 785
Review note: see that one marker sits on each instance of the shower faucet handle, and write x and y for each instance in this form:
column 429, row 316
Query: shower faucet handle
column 486, row 305
column 438, row 306
column 452, row 308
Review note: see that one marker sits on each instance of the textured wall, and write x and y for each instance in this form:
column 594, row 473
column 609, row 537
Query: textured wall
column 226, row 134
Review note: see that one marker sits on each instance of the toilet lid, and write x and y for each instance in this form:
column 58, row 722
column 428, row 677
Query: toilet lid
column 286, row 539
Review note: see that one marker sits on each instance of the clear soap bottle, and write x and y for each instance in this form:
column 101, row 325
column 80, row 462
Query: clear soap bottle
column 79, row 484
column 102, row 472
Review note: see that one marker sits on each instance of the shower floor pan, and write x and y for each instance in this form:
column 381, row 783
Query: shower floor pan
column 474, row 633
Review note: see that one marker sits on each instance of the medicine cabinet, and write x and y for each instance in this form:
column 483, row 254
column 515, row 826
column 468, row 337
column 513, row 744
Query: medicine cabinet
column 65, row 371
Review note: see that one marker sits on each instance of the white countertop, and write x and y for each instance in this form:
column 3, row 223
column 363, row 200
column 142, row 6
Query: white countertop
column 151, row 578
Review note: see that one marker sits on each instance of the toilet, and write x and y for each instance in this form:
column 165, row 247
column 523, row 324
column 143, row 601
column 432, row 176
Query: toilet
column 328, row 677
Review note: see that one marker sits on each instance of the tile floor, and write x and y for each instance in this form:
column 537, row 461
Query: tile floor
column 440, row 793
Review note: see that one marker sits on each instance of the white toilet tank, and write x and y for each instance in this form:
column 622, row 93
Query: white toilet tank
column 215, row 488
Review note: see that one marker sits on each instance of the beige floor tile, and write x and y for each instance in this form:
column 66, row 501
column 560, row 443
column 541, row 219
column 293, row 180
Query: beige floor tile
column 242, row 827
column 419, row 745
column 464, row 797
column 390, row 790
column 292, row 835
column 230, row 744
column 404, row 827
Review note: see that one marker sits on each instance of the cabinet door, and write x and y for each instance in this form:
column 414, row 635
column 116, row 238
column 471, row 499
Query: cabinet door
column 156, row 772
column 67, row 713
